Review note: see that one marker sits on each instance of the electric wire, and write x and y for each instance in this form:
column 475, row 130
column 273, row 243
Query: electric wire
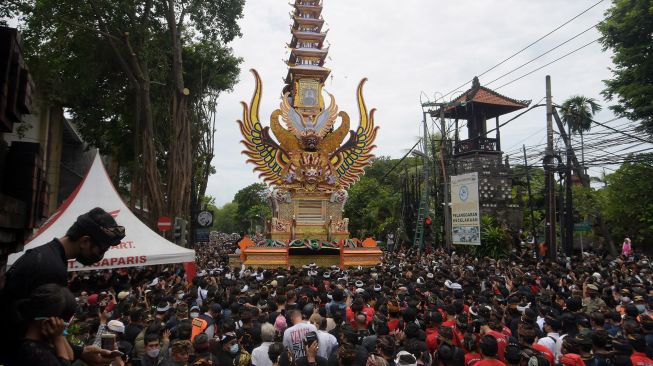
column 542, row 54
column 525, row 48
column 549, row 63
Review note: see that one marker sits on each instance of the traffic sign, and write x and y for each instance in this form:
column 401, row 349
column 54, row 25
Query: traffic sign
column 205, row 218
column 582, row 227
column 164, row 223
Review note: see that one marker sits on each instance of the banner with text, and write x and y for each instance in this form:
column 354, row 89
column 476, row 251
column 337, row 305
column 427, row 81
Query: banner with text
column 465, row 216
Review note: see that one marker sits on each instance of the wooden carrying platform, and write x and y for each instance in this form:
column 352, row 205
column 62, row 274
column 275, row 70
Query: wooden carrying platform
column 266, row 257
column 366, row 257
column 279, row 257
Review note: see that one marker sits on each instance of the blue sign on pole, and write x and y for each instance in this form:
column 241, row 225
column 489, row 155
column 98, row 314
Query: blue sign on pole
column 202, row 235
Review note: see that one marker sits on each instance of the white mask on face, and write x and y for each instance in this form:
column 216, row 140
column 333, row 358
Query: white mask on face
column 154, row 352
column 180, row 296
column 194, row 315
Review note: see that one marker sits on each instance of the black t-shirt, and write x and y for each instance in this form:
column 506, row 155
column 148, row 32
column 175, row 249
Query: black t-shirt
column 39, row 353
column 39, row 266
column 131, row 332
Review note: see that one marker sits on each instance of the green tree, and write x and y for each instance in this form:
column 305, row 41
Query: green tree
column 252, row 206
column 374, row 203
column 578, row 114
column 627, row 202
column 371, row 208
column 626, row 31
column 118, row 67
column 226, row 218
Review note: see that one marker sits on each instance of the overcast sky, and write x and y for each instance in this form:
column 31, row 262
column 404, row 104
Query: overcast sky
column 410, row 48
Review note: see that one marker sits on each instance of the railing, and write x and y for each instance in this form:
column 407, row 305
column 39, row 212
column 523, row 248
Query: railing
column 477, row 144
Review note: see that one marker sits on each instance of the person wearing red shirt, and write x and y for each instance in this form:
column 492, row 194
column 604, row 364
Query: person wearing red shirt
column 450, row 311
column 546, row 351
column 639, row 358
column 433, row 321
column 489, row 350
column 393, row 311
column 501, row 339
column 472, row 356
column 451, row 322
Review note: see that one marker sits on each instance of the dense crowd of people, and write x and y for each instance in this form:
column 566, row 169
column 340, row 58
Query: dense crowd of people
column 435, row 309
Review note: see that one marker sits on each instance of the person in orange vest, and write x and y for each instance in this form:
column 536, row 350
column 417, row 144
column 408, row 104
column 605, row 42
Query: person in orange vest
column 198, row 326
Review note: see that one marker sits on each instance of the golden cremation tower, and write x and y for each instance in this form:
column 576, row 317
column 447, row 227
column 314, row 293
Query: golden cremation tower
column 314, row 156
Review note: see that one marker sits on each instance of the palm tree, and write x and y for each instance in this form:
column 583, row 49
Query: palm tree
column 578, row 113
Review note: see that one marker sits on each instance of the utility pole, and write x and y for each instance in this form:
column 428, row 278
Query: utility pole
column 446, row 208
column 560, row 207
column 550, row 237
column 569, row 217
column 530, row 193
column 425, row 195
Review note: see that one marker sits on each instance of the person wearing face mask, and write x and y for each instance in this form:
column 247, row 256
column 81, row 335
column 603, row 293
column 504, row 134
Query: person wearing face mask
column 87, row 240
column 230, row 353
column 153, row 350
column 194, row 311
column 591, row 301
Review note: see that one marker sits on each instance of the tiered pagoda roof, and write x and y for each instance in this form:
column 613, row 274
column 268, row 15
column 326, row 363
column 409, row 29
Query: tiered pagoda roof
column 479, row 97
column 307, row 53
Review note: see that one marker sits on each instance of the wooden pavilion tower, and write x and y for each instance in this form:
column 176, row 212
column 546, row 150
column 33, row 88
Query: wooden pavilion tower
column 481, row 153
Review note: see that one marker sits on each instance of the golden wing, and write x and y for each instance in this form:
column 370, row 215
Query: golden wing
column 350, row 159
column 332, row 140
column 286, row 138
column 267, row 156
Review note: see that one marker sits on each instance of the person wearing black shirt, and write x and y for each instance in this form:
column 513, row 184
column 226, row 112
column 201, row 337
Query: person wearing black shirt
column 90, row 236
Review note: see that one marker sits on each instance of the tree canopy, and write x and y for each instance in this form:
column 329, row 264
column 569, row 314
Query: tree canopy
column 627, row 202
column 578, row 112
column 140, row 79
column 626, row 31
column 253, row 207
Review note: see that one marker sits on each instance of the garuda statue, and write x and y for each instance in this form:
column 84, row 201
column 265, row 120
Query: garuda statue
column 308, row 153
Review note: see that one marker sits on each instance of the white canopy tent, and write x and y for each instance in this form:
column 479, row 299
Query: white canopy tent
column 140, row 247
